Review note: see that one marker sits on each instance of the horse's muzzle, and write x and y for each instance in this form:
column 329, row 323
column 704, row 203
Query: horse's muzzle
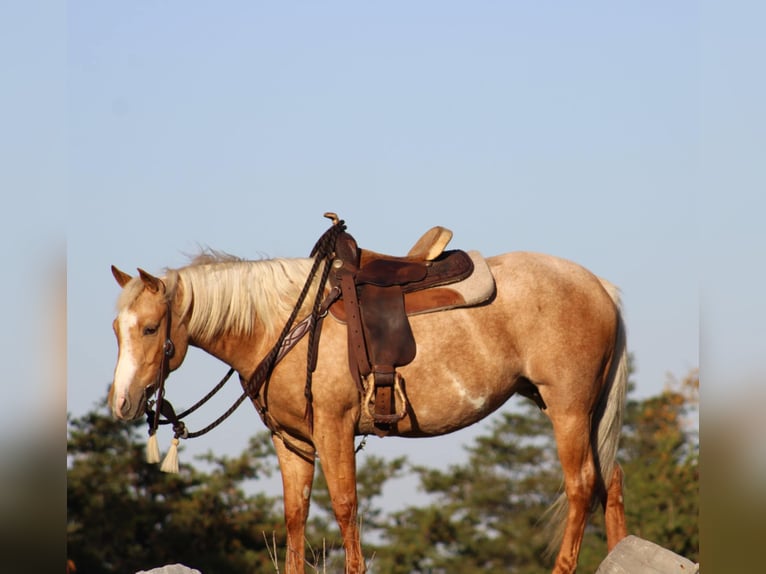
column 127, row 409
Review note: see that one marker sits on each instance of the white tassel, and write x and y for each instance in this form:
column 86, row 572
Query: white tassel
column 152, row 450
column 170, row 464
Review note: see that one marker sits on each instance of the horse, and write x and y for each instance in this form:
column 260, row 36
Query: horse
column 552, row 331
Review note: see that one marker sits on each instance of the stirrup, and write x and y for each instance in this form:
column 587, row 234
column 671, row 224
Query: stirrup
column 369, row 386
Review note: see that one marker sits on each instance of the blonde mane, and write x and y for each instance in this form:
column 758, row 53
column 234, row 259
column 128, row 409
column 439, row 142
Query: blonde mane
column 222, row 293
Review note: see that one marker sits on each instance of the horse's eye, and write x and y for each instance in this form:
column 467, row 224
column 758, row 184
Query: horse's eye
column 150, row 330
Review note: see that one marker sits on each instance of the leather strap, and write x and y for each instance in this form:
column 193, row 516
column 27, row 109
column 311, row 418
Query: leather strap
column 357, row 351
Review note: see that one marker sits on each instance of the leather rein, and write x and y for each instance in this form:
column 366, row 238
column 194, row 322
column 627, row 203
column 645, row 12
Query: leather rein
column 155, row 410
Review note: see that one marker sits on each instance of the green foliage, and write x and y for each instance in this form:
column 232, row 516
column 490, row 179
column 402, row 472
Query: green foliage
column 661, row 463
column 483, row 515
column 124, row 515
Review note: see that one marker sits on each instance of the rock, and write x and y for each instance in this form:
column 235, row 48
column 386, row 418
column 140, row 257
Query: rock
column 170, row 569
column 634, row 555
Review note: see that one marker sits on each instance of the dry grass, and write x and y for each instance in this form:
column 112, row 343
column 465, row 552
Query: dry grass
column 317, row 562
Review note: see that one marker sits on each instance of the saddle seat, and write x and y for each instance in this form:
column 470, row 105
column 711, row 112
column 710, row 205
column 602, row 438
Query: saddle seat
column 386, row 270
column 378, row 294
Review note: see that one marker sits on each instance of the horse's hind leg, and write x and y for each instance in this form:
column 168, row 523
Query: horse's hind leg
column 614, row 509
column 572, row 439
column 297, row 478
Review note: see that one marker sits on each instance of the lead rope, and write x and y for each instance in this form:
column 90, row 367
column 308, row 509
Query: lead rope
column 323, row 251
column 166, row 409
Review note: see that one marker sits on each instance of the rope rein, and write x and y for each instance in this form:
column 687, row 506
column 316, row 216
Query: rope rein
column 322, row 252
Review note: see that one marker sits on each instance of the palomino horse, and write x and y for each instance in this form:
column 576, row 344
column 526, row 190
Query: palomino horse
column 552, row 331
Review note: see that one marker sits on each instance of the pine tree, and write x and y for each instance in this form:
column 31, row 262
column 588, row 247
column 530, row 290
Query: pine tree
column 486, row 513
column 482, row 515
column 124, row 515
column 661, row 453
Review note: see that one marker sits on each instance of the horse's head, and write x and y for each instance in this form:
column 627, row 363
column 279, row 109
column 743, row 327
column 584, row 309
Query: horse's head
column 141, row 328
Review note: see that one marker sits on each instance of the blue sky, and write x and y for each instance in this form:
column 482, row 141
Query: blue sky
column 596, row 131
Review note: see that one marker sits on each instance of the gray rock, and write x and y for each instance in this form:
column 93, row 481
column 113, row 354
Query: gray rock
column 634, row 555
column 170, row 569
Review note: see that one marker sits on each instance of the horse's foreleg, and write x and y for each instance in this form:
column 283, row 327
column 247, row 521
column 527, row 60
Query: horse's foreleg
column 336, row 451
column 573, row 445
column 614, row 510
column 297, row 478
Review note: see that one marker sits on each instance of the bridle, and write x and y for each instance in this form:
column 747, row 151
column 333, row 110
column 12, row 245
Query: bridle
column 168, row 350
column 155, row 410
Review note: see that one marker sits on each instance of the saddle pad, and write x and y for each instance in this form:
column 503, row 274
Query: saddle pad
column 475, row 289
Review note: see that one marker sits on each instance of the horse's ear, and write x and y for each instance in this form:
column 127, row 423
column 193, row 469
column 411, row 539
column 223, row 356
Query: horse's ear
column 154, row 284
column 121, row 277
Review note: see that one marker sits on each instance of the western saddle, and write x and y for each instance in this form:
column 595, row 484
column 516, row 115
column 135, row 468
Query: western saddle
column 378, row 293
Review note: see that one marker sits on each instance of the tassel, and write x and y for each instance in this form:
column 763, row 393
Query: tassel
column 152, row 449
column 170, row 464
